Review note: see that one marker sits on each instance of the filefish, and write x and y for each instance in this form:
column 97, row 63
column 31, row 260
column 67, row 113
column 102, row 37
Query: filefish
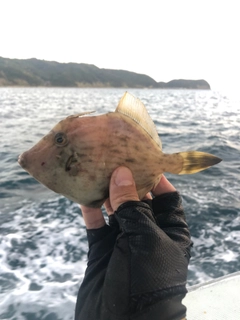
column 77, row 157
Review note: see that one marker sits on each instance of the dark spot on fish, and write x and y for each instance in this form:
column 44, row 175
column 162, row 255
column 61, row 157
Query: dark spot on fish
column 104, row 145
column 92, row 177
column 43, row 163
column 123, row 138
column 69, row 162
column 131, row 160
column 114, row 150
column 136, row 148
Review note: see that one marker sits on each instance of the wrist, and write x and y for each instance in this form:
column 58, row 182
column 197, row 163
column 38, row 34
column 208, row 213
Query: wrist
column 93, row 217
column 97, row 224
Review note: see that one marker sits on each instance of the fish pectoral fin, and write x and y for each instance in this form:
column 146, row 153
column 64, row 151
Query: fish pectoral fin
column 190, row 162
column 135, row 109
column 80, row 114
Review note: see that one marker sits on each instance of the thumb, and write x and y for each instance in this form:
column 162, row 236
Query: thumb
column 122, row 187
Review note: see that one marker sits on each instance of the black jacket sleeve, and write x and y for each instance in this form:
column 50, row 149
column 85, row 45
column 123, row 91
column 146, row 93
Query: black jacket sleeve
column 137, row 265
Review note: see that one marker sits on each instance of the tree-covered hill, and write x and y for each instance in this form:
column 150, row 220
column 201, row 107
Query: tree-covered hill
column 34, row 72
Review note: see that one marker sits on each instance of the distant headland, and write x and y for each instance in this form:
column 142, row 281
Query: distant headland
column 41, row 73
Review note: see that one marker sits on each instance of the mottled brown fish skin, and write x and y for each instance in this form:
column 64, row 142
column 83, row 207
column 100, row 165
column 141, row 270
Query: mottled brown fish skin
column 94, row 147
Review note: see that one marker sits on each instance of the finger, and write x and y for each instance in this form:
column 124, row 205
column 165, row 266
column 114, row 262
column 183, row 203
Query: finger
column 122, row 187
column 93, row 217
column 148, row 196
column 164, row 186
column 108, row 207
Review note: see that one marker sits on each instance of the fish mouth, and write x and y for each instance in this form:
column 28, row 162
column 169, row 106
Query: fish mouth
column 72, row 159
column 22, row 161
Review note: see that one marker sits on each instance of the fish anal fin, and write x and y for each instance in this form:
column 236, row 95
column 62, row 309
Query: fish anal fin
column 135, row 109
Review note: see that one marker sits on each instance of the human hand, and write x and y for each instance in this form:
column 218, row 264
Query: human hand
column 122, row 189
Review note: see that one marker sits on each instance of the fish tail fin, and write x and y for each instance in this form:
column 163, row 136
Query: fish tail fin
column 190, row 162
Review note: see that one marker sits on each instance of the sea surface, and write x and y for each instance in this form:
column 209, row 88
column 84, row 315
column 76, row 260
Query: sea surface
column 43, row 249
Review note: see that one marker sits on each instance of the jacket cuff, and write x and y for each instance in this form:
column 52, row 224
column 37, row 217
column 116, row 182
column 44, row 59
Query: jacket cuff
column 96, row 235
column 169, row 308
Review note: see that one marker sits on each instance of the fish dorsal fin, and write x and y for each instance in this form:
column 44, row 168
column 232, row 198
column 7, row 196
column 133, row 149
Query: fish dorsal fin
column 80, row 114
column 135, row 109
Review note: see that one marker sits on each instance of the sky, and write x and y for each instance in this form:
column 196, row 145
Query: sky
column 170, row 39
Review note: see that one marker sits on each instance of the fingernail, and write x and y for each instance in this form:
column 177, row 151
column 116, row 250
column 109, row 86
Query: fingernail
column 123, row 177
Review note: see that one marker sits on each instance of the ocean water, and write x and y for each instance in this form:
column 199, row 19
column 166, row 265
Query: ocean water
column 43, row 249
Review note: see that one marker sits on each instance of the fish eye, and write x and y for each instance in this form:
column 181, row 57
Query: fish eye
column 60, row 139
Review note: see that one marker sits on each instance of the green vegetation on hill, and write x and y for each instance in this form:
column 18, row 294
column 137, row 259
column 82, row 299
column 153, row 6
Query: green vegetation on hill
column 34, row 72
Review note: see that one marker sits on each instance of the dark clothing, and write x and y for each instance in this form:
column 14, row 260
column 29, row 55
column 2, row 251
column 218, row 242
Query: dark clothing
column 137, row 266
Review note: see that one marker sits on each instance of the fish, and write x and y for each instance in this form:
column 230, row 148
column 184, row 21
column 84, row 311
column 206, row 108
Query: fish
column 78, row 156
